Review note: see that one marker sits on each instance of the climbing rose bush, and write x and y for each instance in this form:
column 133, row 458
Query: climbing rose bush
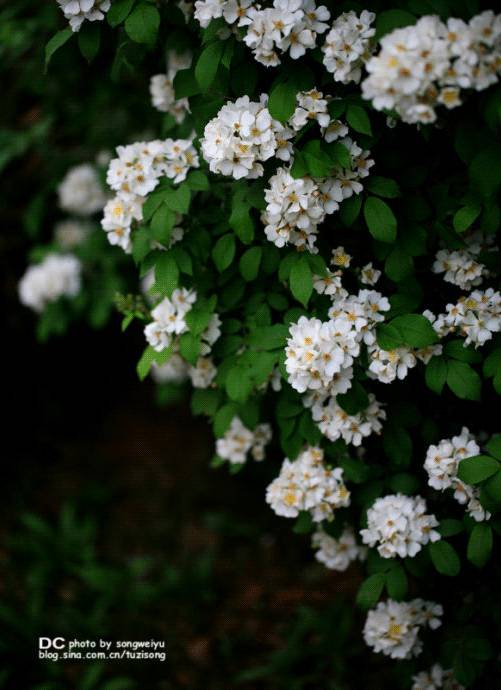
column 314, row 228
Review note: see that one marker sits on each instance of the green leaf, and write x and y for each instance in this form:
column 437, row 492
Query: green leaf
column 388, row 337
column 480, row 545
column 189, row 347
column 350, row 210
column 178, row 200
column 465, row 217
column 396, row 582
column 463, row 380
column 450, row 527
column 205, row 401
column 399, row 265
column 282, row 101
column 477, row 468
column 304, row 523
column 370, row 590
column 162, row 223
column 383, row 186
column 56, row 42
column 339, row 154
column 141, row 244
column 240, row 219
column 185, row 84
column 485, row 171
column 494, row 446
column 301, row 280
column 415, row 330
column 444, row 558
column 355, row 400
column 238, row 384
column 197, row 181
column 492, row 365
column 318, row 162
column 208, row 63
column 148, row 357
column 223, row 252
column 390, row 20
column 436, row 374
column 380, row 220
column 89, row 38
column 457, row 350
column 249, row 263
column 166, row 273
column 269, row 337
column 358, row 119
column 143, row 23
column 119, row 11
column 223, row 417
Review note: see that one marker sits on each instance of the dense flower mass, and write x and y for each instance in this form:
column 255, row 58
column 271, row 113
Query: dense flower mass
column 442, row 463
column 162, row 92
column 427, row 65
column 58, row 275
column 436, row 678
column 337, row 554
column 295, row 207
column 240, row 138
column 347, row 45
column 77, row 11
column 134, row 174
column 393, row 627
column 476, row 317
column 80, row 191
column 306, row 484
column 288, row 26
column 399, row 525
column 169, row 318
column 238, row 441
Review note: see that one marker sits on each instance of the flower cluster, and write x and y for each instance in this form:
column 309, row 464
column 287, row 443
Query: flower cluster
column 238, row 441
column 347, row 45
column 436, row 678
column 460, row 267
column 162, row 91
column 306, row 484
column 58, row 275
column 311, row 105
column 70, row 233
column 289, row 25
column 476, row 317
column 426, row 65
column 336, row 423
column 240, row 138
column 134, row 174
column 392, row 628
column 169, row 318
column 296, row 207
column 400, row 525
column 174, row 370
column 337, row 554
column 442, row 463
column 80, row 191
column 388, row 365
column 232, row 11
column 77, row 11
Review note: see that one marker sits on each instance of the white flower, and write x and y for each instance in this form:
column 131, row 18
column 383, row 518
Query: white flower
column 162, row 92
column 335, row 423
column 174, row 370
column 399, row 525
column 347, row 45
column 169, row 318
column 238, row 441
column 290, row 25
column 388, row 365
column 80, row 192
column 337, row 554
column 459, row 268
column 77, row 11
column 311, row 106
column 240, row 138
column 425, row 65
column 369, row 275
column 436, row 678
column 203, row 373
column 442, row 463
column 306, row 484
column 58, row 275
column 340, row 258
column 392, row 628
column 70, row 233
column 476, row 317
